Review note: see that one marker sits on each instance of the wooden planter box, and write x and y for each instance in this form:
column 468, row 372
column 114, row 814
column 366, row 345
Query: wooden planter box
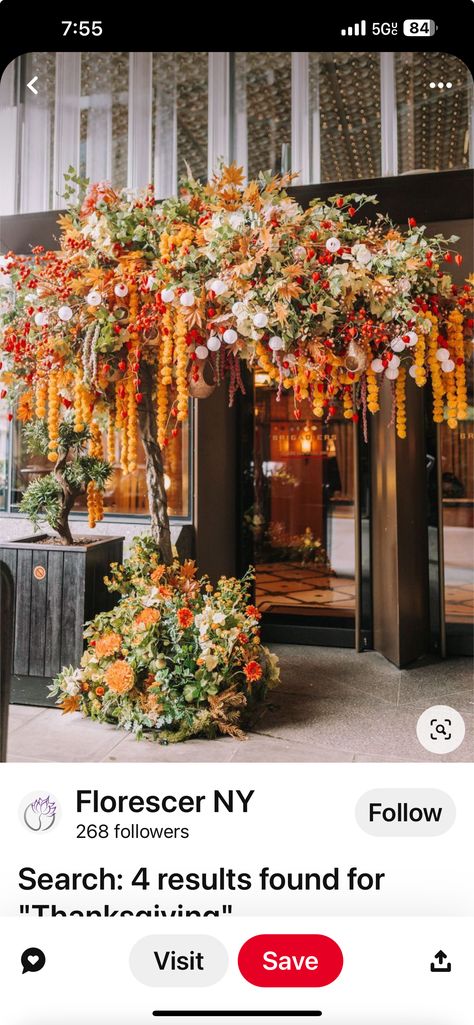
column 58, row 588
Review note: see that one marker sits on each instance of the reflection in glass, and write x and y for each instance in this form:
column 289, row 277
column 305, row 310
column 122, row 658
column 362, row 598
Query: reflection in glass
column 126, row 492
column 433, row 103
column 262, row 112
column 302, row 519
column 344, row 91
column 104, row 117
column 457, row 469
column 180, row 117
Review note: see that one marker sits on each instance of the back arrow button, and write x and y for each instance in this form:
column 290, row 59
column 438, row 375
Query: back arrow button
column 31, row 85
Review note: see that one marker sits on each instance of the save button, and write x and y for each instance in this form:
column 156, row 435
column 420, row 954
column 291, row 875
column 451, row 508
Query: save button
column 290, row 960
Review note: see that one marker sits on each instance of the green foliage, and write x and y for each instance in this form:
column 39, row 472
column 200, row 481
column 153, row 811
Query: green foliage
column 42, row 501
column 79, row 472
column 35, row 434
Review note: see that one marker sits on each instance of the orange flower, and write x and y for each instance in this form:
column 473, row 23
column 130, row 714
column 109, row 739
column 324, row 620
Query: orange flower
column 147, row 618
column 120, row 677
column 100, row 192
column 158, row 573
column 253, row 670
column 109, row 644
column 25, row 406
column 185, row 618
column 70, row 704
column 253, row 612
column 100, row 691
column 165, row 592
column 242, row 639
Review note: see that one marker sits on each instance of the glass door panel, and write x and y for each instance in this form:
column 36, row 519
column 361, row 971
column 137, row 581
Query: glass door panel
column 302, row 518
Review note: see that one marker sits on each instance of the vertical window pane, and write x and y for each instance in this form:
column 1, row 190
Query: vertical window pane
column 262, row 112
column 37, row 145
column 180, row 117
column 125, row 493
column 348, row 88
column 433, row 122
column 104, row 117
column 457, row 469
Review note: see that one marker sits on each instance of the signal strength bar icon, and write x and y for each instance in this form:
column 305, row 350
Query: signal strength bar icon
column 355, row 30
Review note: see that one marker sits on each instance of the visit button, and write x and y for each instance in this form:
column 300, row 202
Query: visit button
column 290, row 960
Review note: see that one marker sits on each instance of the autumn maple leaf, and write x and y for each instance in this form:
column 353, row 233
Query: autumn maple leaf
column 232, row 175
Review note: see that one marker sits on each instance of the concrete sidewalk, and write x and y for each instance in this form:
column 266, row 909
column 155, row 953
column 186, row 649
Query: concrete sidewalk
column 333, row 706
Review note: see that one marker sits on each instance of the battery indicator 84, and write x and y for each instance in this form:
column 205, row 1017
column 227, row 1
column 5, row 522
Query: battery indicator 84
column 419, row 27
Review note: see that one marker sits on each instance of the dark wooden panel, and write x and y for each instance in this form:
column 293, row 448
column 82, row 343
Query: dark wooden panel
column 8, row 556
column 52, row 659
column 72, row 621
column 21, row 654
column 7, row 600
column 38, row 612
column 399, row 532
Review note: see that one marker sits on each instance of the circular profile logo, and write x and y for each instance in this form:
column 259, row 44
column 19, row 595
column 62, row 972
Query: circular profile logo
column 39, row 811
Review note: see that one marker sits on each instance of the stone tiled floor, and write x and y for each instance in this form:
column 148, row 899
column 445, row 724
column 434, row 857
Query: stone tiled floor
column 333, row 706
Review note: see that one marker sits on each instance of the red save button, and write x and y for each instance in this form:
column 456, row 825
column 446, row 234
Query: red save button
column 290, row 960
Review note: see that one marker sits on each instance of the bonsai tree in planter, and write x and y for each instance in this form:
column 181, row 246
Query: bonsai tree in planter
column 51, row 497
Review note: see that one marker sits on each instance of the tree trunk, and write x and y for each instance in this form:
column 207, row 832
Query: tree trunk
column 155, row 478
column 68, row 498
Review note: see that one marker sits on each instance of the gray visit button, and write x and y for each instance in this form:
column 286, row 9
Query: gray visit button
column 405, row 812
column 178, row 960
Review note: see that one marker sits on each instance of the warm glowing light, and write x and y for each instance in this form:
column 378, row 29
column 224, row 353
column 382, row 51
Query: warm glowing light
column 305, row 442
column 167, row 481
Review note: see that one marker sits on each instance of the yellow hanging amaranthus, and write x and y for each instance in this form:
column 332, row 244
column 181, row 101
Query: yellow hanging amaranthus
column 420, row 368
column 78, row 419
column 41, row 399
column 456, row 348
column 437, row 382
column 111, row 438
column 95, row 500
column 400, row 396
column 53, row 416
column 132, row 425
column 372, row 391
column 181, row 357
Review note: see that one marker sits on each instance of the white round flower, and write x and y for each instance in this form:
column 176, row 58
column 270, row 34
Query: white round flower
column 187, row 299
column 202, row 352
column 93, row 298
column 299, row 253
column 230, row 336
column 236, row 220
column 333, row 244
column 362, row 254
column 167, row 295
column 213, row 343
column 260, row 320
column 392, row 373
column 218, row 286
column 121, row 289
column 442, row 355
column 395, row 361
column 448, row 366
column 397, row 345
column 276, row 343
column 411, row 337
column 65, row 313
column 376, row 366
column 412, row 370
column 41, row 319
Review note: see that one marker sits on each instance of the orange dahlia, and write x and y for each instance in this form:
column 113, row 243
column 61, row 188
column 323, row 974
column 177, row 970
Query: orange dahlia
column 147, row 618
column 109, row 644
column 252, row 612
column 119, row 677
column 158, row 573
column 253, row 670
column 185, row 618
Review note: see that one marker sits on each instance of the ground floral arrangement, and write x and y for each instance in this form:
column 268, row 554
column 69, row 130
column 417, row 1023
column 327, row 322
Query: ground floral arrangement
column 176, row 658
column 147, row 303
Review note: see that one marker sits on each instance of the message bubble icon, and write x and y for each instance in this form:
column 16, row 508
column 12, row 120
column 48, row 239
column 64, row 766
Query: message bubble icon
column 405, row 812
column 33, row 960
column 178, row 961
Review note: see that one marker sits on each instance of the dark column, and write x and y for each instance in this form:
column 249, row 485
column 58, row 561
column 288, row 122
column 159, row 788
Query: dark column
column 399, row 531
column 215, row 485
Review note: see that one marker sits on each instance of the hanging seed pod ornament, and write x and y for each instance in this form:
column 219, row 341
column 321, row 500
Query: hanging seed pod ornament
column 199, row 388
column 355, row 358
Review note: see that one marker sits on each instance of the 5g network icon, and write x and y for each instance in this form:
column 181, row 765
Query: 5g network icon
column 39, row 810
